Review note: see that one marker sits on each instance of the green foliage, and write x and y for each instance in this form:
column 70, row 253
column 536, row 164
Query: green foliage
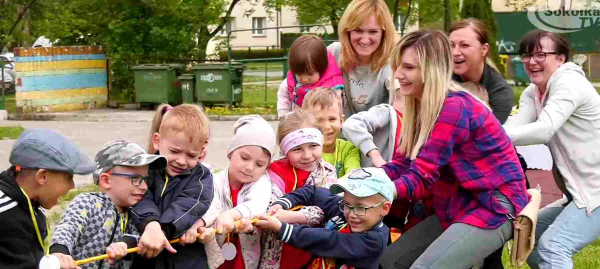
column 10, row 132
column 253, row 54
column 431, row 13
column 13, row 15
column 517, row 91
column 131, row 31
column 482, row 10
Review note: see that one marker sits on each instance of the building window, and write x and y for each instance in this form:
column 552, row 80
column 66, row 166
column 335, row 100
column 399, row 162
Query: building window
column 229, row 26
column 259, row 22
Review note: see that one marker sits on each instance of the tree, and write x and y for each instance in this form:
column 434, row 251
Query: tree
column 404, row 10
column 482, row 10
column 13, row 13
column 519, row 5
column 135, row 31
column 437, row 14
column 447, row 18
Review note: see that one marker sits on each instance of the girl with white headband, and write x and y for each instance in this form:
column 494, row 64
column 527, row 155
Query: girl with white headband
column 301, row 144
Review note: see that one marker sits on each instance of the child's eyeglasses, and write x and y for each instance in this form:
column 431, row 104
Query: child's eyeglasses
column 358, row 210
column 136, row 180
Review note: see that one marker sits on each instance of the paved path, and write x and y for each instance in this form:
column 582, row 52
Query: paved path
column 90, row 136
column 550, row 192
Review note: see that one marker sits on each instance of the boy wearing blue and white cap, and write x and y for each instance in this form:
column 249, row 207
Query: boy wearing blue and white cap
column 43, row 163
column 354, row 235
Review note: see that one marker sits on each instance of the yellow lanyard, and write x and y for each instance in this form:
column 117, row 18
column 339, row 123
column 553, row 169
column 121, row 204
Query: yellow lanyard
column 296, row 177
column 35, row 225
column 124, row 225
column 165, row 187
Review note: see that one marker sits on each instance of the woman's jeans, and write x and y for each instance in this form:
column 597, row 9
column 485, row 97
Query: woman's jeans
column 560, row 233
column 460, row 246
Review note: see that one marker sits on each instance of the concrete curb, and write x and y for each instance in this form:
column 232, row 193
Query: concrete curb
column 88, row 116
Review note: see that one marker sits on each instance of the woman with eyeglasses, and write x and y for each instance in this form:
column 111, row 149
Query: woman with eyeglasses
column 454, row 150
column 561, row 109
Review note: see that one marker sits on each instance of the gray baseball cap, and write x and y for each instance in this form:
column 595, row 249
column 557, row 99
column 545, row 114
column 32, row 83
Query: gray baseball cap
column 125, row 153
column 365, row 182
column 47, row 149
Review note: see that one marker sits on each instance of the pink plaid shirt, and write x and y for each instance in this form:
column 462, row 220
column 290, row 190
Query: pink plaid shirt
column 472, row 155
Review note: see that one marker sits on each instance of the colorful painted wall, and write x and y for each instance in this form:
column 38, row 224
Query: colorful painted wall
column 60, row 79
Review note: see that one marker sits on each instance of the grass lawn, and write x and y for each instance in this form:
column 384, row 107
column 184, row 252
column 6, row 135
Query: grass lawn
column 54, row 215
column 272, row 66
column 10, row 103
column 253, row 102
column 588, row 258
column 10, row 132
column 248, row 78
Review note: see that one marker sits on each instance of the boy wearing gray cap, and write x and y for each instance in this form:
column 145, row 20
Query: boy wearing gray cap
column 98, row 223
column 354, row 235
column 43, row 164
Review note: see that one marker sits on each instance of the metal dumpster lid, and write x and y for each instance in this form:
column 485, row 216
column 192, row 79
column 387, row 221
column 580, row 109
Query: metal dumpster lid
column 187, row 76
column 204, row 66
column 159, row 66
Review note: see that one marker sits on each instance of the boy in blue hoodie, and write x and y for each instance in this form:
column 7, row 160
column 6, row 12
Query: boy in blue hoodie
column 354, row 235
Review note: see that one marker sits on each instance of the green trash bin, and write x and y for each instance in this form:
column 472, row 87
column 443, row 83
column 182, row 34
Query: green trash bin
column 157, row 83
column 216, row 83
column 520, row 76
column 188, row 91
column 286, row 68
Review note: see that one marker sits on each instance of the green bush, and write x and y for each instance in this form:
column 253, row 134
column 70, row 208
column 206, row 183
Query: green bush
column 253, row 54
column 482, row 10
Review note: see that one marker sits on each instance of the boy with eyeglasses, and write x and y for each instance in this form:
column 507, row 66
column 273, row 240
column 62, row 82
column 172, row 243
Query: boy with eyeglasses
column 354, row 235
column 98, row 223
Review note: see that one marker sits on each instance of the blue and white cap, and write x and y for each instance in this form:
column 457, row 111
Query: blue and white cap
column 366, row 182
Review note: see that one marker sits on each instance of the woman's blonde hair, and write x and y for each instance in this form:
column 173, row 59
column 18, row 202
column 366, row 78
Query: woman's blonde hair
column 435, row 63
column 186, row 118
column 294, row 121
column 356, row 13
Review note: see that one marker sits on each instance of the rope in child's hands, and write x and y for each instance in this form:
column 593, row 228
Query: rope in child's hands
column 45, row 264
column 48, row 262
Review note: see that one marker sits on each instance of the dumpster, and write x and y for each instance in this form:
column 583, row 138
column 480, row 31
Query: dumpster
column 157, row 83
column 520, row 76
column 216, row 83
column 188, row 91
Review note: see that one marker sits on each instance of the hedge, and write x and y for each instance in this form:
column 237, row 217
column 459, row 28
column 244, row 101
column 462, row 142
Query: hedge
column 253, row 54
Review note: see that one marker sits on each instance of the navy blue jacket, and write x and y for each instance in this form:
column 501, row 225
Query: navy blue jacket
column 360, row 250
column 185, row 199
